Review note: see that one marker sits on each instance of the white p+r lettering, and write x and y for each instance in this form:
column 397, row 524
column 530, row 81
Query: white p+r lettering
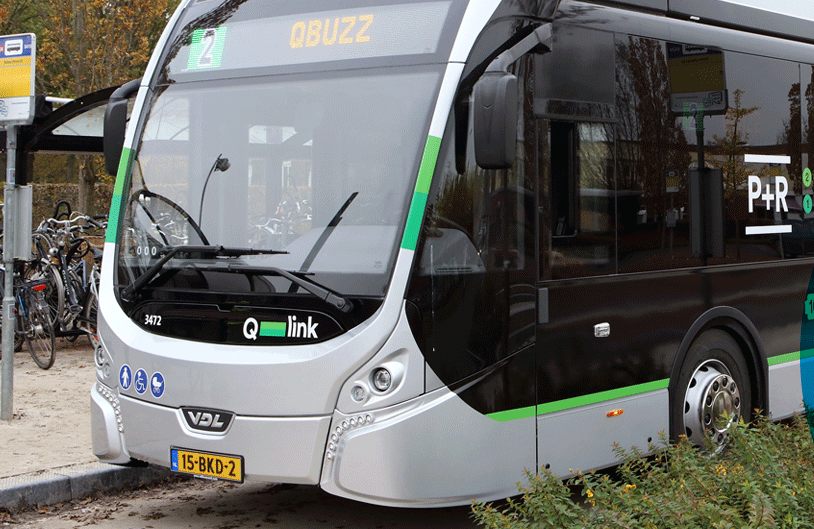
column 781, row 189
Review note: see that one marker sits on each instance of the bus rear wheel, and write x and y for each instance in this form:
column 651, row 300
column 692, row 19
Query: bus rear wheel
column 712, row 393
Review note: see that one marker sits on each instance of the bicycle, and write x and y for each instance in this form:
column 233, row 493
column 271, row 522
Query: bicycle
column 33, row 325
column 74, row 266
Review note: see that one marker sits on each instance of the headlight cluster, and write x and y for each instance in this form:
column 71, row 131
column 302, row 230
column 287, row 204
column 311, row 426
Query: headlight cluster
column 103, row 361
column 379, row 382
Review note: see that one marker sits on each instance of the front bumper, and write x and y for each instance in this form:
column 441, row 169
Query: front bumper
column 287, row 449
column 106, row 426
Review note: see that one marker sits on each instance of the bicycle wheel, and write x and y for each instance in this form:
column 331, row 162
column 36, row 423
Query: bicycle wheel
column 37, row 329
column 74, row 307
column 41, row 245
column 54, row 292
column 90, row 314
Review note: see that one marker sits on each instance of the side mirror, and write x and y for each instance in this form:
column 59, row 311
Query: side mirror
column 116, row 125
column 495, row 120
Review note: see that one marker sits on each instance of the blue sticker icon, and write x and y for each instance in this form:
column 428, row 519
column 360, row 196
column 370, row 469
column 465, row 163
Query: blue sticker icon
column 141, row 381
column 125, row 377
column 157, row 384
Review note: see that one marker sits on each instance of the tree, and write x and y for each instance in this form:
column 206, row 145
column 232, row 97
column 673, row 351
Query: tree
column 732, row 146
column 651, row 139
column 87, row 45
column 15, row 15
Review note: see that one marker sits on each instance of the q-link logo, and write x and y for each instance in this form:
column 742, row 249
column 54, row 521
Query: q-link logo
column 291, row 328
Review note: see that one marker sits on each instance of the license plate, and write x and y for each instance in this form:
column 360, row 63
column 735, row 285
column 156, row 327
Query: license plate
column 207, row 465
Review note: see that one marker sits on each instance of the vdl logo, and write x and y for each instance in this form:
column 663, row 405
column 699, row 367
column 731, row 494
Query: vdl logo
column 206, row 420
column 291, row 328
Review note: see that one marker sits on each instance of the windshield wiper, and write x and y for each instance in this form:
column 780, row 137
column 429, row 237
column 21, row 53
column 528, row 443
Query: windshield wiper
column 325, row 234
column 215, row 251
column 330, row 297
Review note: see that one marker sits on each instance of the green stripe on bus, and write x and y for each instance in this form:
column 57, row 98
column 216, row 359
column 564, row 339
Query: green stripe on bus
column 790, row 357
column 411, row 230
column 513, row 415
column 576, row 402
column 602, row 396
column 422, row 189
column 782, row 359
column 428, row 164
column 118, row 191
column 272, row 328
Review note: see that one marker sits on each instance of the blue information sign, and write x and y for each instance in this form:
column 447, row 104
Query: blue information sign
column 17, row 67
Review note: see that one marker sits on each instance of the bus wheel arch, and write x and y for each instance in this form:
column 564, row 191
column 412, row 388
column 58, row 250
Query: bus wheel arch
column 721, row 343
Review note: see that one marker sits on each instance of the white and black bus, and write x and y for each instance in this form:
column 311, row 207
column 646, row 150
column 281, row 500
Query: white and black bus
column 404, row 249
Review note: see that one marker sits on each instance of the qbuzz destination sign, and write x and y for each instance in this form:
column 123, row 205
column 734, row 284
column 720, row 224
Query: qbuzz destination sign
column 342, row 34
column 17, row 67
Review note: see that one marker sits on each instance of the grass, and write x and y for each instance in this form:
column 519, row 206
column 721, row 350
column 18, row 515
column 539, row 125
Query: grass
column 764, row 479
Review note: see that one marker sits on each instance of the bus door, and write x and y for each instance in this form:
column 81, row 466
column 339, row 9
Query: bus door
column 590, row 204
column 578, row 354
column 592, row 318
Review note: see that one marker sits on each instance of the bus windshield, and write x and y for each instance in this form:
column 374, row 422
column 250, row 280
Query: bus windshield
column 319, row 166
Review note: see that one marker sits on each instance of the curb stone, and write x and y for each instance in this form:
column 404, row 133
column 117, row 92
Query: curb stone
column 73, row 482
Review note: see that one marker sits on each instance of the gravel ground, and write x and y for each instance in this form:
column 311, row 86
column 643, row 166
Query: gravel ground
column 51, row 423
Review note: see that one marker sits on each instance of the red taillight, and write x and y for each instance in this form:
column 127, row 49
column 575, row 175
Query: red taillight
column 39, row 288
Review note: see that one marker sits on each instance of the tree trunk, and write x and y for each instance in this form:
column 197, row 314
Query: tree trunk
column 87, row 182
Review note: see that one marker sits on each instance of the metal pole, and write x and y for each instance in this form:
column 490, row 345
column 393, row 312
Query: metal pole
column 9, row 227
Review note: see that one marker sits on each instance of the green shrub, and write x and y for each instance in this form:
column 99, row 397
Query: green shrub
column 764, row 479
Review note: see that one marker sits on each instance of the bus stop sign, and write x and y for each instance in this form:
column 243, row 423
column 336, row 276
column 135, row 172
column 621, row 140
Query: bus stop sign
column 17, row 66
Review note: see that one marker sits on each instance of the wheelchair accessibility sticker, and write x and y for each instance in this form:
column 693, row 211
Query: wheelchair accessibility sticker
column 141, row 381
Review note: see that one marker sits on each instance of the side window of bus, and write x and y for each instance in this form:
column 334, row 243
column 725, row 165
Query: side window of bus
column 757, row 145
column 582, row 220
column 653, row 162
column 750, row 139
column 616, row 192
column 574, row 99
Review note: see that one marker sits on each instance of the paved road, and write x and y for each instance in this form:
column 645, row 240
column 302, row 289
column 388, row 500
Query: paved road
column 204, row 505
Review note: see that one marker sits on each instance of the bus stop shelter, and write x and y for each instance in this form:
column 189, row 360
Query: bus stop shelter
column 74, row 128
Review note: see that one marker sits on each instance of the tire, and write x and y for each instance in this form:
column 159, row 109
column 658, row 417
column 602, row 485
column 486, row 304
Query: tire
column 38, row 332
column 74, row 294
column 55, row 290
column 90, row 314
column 41, row 245
column 712, row 393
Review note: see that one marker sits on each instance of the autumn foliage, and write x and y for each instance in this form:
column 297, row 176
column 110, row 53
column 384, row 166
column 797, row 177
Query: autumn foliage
column 84, row 46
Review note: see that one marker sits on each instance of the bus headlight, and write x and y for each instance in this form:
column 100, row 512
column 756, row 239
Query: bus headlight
column 103, row 361
column 358, row 393
column 382, row 382
column 382, row 379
